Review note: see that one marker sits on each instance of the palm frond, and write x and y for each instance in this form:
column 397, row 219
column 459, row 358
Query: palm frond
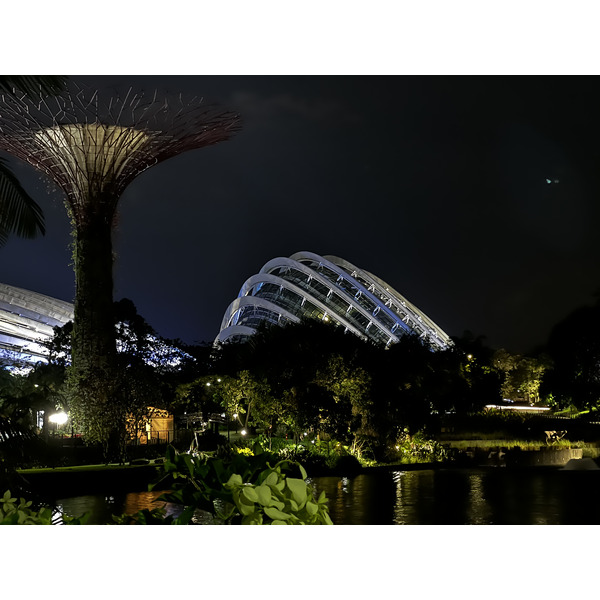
column 19, row 213
column 48, row 85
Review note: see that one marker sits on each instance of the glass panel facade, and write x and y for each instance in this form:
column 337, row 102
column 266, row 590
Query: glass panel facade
column 344, row 293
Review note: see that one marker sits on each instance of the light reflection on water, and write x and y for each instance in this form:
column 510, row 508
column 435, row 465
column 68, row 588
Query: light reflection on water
column 436, row 497
column 101, row 508
column 464, row 496
column 478, row 506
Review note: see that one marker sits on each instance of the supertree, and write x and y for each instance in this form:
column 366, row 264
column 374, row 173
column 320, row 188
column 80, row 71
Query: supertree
column 92, row 143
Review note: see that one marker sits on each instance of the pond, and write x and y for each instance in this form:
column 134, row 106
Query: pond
column 543, row 496
column 465, row 496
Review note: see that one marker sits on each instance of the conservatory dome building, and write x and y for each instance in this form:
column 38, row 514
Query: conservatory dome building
column 27, row 320
column 329, row 288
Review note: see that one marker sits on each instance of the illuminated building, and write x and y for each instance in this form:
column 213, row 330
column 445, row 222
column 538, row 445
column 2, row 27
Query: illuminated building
column 27, row 320
column 307, row 285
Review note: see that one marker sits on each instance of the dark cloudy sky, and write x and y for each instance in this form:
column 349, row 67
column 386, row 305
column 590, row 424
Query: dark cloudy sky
column 435, row 184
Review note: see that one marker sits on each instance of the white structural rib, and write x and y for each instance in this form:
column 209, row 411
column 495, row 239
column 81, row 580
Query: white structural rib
column 307, row 285
column 235, row 331
column 232, row 314
column 397, row 301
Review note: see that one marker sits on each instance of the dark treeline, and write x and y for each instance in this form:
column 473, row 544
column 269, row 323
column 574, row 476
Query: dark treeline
column 313, row 379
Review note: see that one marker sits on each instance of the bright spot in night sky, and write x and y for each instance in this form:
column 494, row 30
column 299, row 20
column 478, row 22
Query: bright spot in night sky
column 549, row 181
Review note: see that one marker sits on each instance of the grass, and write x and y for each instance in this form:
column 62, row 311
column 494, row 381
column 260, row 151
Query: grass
column 522, row 444
column 76, row 468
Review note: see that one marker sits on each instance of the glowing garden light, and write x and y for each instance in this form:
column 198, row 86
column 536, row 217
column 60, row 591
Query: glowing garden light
column 59, row 418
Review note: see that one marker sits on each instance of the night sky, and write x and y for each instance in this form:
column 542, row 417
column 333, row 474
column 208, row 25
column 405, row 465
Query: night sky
column 436, row 184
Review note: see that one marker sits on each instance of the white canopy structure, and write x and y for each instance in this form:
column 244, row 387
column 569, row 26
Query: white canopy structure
column 27, row 320
column 307, row 285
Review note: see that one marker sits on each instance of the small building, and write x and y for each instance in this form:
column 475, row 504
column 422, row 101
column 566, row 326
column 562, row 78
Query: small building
column 159, row 429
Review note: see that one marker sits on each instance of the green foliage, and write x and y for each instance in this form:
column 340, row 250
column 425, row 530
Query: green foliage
column 254, row 490
column 110, row 403
column 503, row 420
column 418, row 448
column 278, row 500
column 519, row 444
column 522, row 374
column 316, row 455
column 19, row 213
column 22, row 395
column 19, row 511
column 95, row 409
column 243, row 451
column 349, row 407
column 15, row 511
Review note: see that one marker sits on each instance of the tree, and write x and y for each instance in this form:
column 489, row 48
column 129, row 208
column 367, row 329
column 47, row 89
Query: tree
column 21, row 396
column 347, row 415
column 476, row 367
column 141, row 381
column 522, row 375
column 19, row 213
column 574, row 347
column 304, row 366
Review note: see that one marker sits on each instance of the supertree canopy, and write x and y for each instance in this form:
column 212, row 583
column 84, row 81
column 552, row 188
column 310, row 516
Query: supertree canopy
column 92, row 144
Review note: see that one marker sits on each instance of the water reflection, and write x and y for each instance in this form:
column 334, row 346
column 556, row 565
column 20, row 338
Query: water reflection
column 478, row 510
column 102, row 508
column 465, row 496
column 360, row 500
column 428, row 497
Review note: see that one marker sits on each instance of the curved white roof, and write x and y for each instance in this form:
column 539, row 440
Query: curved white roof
column 27, row 320
column 330, row 288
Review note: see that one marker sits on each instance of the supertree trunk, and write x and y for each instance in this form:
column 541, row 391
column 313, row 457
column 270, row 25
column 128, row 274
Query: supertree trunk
column 93, row 339
column 95, row 401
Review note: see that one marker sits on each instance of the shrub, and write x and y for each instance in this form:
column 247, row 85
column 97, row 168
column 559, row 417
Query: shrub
column 243, row 451
column 15, row 511
column 254, row 490
column 19, row 512
column 418, row 448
